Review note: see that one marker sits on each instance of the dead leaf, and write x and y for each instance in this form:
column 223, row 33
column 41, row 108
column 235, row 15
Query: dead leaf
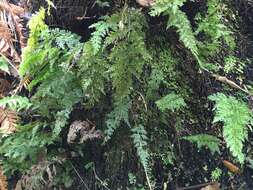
column 231, row 167
column 146, row 3
column 214, row 186
column 11, row 30
column 3, row 181
column 8, row 121
column 5, row 87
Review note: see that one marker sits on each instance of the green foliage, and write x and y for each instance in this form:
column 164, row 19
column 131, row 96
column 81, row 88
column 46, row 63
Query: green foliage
column 171, row 102
column 211, row 25
column 47, row 59
column 139, row 136
column 216, row 174
column 179, row 20
column 58, row 92
column 204, row 140
column 119, row 114
column 17, row 103
column 24, row 145
column 93, row 72
column 233, row 65
column 102, row 28
column 140, row 140
column 36, row 26
column 125, row 74
column 129, row 53
column 235, row 116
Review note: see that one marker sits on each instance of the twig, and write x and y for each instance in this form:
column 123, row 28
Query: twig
column 101, row 181
column 80, row 177
column 230, row 83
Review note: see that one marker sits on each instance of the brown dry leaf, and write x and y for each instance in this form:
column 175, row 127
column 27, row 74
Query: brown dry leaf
column 81, row 131
column 5, row 87
column 215, row 186
column 8, row 121
column 146, row 3
column 231, row 167
column 3, row 181
column 11, row 30
column 4, row 5
column 42, row 175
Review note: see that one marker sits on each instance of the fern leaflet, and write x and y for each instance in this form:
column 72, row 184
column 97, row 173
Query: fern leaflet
column 235, row 115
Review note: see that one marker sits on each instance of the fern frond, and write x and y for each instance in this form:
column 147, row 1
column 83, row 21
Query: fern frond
column 93, row 73
column 171, row 102
column 212, row 26
column 15, row 102
column 101, row 30
column 119, row 114
column 235, row 116
column 139, row 136
column 36, row 26
column 61, row 122
column 179, row 20
column 204, row 140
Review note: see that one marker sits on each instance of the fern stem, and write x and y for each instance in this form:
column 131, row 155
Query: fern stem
column 148, row 180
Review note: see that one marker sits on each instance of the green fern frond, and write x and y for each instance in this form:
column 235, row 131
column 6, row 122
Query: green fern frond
column 119, row 114
column 93, row 72
column 60, row 122
column 235, row 116
column 204, row 140
column 17, row 103
column 140, row 140
column 212, row 26
column 139, row 136
column 36, row 26
column 101, row 30
column 179, row 20
column 171, row 102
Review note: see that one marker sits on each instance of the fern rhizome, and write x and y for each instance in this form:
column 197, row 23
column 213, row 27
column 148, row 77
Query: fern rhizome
column 151, row 97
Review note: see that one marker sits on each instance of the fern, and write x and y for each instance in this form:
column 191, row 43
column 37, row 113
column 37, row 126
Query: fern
column 93, row 74
column 60, row 122
column 203, row 140
column 23, row 145
column 102, row 28
column 58, row 92
column 212, row 26
column 129, row 53
column 119, row 114
column 179, row 20
column 171, row 102
column 139, row 136
column 17, row 103
column 36, row 26
column 235, row 115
